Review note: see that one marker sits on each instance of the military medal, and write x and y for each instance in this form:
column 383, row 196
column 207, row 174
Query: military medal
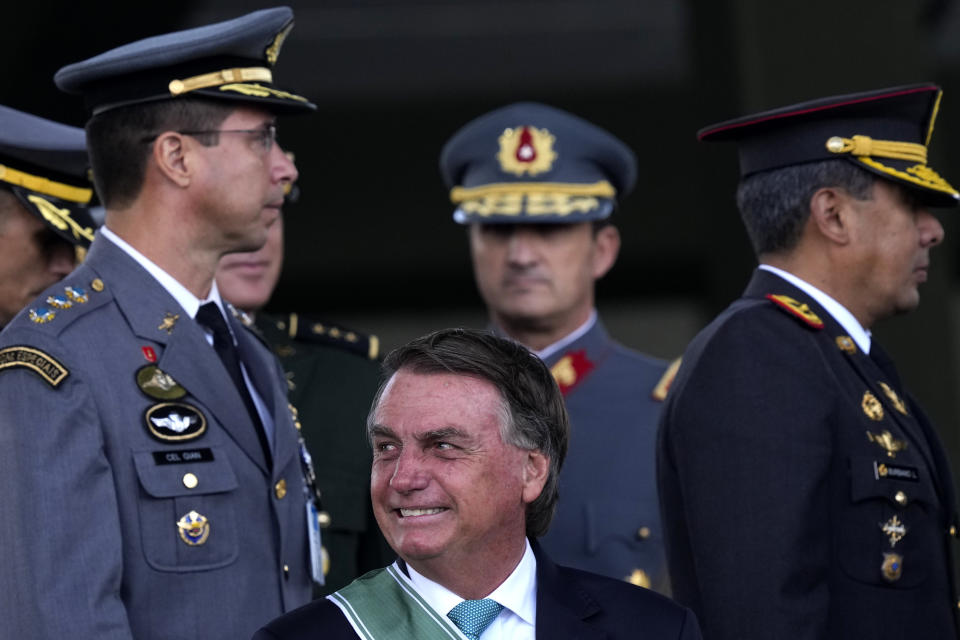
column 194, row 529
column 894, row 529
column 892, row 567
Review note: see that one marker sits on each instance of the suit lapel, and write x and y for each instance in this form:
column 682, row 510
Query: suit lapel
column 154, row 315
column 562, row 605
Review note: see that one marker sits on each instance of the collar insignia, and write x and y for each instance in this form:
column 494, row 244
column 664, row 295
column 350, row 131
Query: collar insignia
column 796, row 308
column 169, row 320
column 571, row 369
column 846, row 344
column 871, row 406
column 886, row 440
column 526, row 150
column 894, row 399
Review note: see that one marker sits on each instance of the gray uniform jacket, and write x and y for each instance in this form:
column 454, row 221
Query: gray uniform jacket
column 608, row 517
column 127, row 511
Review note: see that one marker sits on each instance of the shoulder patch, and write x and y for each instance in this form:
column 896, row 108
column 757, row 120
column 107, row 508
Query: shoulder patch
column 37, row 361
column 797, row 309
column 663, row 387
column 309, row 329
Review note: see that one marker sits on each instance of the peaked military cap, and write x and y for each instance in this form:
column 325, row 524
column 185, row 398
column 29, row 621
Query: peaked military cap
column 530, row 163
column 44, row 164
column 885, row 132
column 230, row 60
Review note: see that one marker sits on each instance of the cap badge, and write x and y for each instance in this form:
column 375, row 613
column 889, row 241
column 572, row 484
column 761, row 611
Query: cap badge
column 871, row 406
column 78, row 295
column 894, row 399
column 892, row 566
column 796, row 308
column 571, row 369
column 174, row 421
column 886, row 440
column 158, row 384
column 894, row 529
column 42, row 315
column 194, row 528
column 169, row 320
column 526, row 150
column 60, row 218
column 846, row 344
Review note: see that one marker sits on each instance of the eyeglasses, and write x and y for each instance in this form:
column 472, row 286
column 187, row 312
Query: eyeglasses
column 265, row 136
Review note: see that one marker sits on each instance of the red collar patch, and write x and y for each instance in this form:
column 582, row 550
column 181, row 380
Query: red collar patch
column 571, row 369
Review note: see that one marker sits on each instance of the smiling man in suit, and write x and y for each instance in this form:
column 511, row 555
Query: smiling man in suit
column 469, row 432
column 158, row 485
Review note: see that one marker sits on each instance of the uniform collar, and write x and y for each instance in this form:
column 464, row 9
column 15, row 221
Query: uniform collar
column 568, row 339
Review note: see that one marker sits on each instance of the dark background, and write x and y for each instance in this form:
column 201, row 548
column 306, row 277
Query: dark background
column 371, row 243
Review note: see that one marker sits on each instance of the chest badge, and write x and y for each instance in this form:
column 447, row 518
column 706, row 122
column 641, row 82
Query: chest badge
column 571, row 369
column 158, row 384
column 894, row 399
column 175, row 422
column 194, row 528
column 894, row 529
column 892, row 567
column 886, row 440
column 871, row 406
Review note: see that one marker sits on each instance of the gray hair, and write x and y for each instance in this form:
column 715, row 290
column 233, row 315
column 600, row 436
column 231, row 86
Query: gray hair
column 534, row 415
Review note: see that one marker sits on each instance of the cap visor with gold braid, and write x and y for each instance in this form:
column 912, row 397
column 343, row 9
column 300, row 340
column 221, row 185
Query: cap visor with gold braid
column 44, row 164
column 885, row 132
column 230, row 60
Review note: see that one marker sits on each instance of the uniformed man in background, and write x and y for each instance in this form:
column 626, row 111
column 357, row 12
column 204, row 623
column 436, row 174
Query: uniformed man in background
column 45, row 225
column 153, row 480
column 805, row 494
column 332, row 375
column 536, row 187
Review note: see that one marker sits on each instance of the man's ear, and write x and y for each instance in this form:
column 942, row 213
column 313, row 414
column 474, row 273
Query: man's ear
column 606, row 248
column 536, row 468
column 171, row 153
column 831, row 214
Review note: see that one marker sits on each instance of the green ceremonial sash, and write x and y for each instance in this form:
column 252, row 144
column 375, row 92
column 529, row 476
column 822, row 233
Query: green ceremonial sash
column 383, row 604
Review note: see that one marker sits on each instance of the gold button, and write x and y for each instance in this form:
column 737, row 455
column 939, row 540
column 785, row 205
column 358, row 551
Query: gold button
column 280, row 489
column 323, row 519
column 176, row 87
column 286, row 571
column 901, row 498
column 953, row 531
column 835, row 144
column 643, row 533
column 190, row 481
column 97, row 284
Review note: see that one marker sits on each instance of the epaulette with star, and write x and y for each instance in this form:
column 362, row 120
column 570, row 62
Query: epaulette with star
column 312, row 329
column 797, row 309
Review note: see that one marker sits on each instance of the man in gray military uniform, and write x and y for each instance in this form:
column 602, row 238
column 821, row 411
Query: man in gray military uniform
column 155, row 486
column 44, row 192
column 536, row 185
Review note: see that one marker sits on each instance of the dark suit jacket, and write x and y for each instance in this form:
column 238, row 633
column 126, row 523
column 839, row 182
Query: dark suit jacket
column 92, row 498
column 570, row 604
column 781, row 512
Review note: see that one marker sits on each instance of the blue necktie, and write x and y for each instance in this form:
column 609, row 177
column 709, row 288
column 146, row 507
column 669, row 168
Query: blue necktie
column 473, row 616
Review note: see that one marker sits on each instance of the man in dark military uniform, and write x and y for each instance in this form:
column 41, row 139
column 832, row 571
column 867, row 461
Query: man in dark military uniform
column 153, row 477
column 805, row 494
column 45, row 225
column 332, row 374
column 536, row 185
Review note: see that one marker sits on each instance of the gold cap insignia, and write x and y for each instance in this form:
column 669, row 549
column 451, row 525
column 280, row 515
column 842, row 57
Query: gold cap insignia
column 894, row 529
column 796, row 308
column 892, row 567
column 526, row 150
column 886, row 440
column 61, row 218
column 894, row 399
column 639, row 578
column 871, row 406
column 273, row 51
column 846, row 344
column 194, row 528
column 169, row 320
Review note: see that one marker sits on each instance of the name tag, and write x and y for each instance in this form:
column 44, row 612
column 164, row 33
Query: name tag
column 183, row 456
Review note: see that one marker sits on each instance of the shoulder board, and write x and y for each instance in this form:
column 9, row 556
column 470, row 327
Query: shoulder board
column 41, row 363
column 311, row 329
column 663, row 387
column 65, row 301
column 797, row 309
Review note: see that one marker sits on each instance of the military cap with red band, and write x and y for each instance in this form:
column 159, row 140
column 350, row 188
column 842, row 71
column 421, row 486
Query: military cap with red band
column 231, row 60
column 886, row 132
